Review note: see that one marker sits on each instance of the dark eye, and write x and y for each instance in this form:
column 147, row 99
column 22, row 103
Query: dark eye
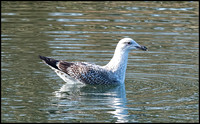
column 129, row 43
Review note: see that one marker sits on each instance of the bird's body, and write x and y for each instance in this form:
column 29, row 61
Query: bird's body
column 87, row 73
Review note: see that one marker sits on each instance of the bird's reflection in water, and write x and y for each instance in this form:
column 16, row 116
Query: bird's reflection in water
column 111, row 98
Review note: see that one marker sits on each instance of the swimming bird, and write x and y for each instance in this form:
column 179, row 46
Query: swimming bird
column 88, row 73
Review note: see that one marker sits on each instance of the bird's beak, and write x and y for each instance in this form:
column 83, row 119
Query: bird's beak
column 142, row 48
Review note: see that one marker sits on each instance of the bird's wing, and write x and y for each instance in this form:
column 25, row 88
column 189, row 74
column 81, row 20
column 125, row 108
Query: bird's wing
column 86, row 73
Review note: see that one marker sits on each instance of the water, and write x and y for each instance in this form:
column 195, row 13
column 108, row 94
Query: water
column 161, row 85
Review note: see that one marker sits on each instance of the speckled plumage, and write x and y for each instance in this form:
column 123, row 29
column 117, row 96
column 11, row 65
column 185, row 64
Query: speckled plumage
column 84, row 72
column 87, row 73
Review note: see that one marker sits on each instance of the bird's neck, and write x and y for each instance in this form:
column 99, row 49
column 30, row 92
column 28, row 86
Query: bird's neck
column 118, row 63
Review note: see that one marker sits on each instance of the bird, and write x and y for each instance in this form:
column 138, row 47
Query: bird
column 92, row 74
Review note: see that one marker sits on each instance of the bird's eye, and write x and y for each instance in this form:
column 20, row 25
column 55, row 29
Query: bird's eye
column 129, row 43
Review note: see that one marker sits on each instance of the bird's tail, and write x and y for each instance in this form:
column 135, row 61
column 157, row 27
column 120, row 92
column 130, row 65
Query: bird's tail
column 49, row 61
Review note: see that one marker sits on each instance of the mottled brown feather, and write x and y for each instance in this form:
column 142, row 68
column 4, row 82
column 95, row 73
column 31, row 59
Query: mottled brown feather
column 86, row 73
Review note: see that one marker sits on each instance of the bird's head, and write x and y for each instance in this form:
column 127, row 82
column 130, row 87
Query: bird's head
column 129, row 44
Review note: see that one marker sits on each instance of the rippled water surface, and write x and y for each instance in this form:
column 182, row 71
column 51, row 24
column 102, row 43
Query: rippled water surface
column 161, row 85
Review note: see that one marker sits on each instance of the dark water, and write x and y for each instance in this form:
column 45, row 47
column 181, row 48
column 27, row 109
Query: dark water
column 162, row 84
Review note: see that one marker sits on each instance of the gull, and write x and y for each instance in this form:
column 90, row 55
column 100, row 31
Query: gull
column 89, row 73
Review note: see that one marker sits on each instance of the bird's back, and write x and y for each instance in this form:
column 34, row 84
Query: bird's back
column 87, row 73
column 84, row 72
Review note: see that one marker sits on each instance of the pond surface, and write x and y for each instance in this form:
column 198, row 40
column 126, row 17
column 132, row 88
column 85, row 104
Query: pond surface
column 161, row 85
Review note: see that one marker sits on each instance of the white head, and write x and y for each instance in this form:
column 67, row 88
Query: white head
column 129, row 44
